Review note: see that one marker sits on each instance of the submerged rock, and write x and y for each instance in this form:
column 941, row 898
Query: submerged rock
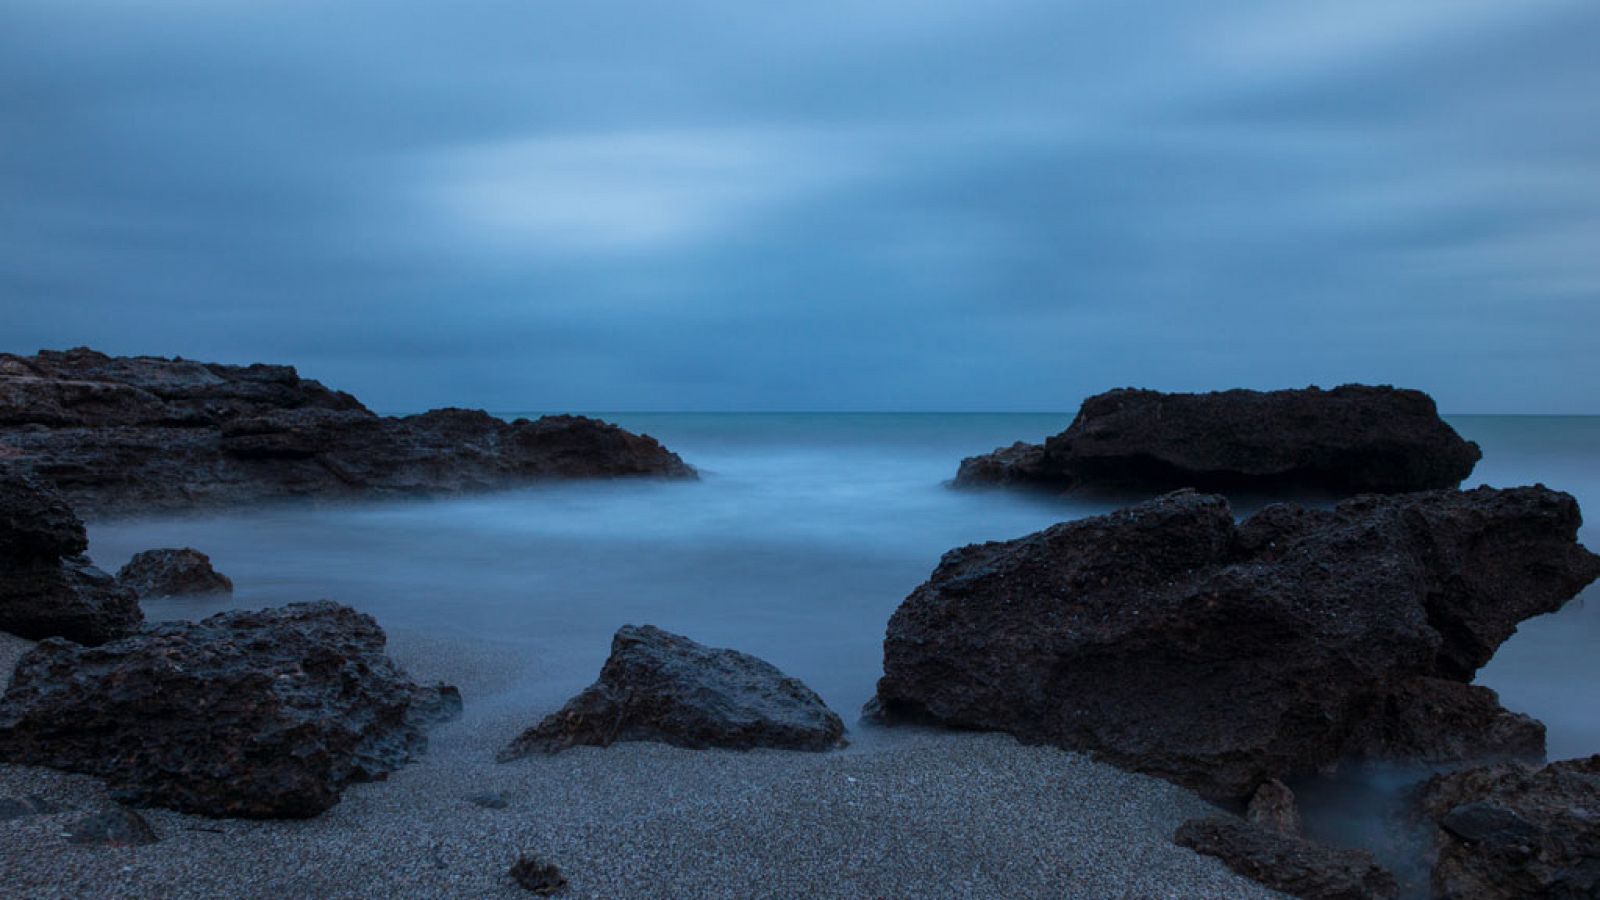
column 1168, row 639
column 47, row 587
column 136, row 434
column 1352, row 439
column 252, row 714
column 1512, row 831
column 172, row 572
column 659, row 686
column 1288, row 863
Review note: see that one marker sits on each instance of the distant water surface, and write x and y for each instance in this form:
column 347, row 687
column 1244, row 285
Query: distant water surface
column 805, row 533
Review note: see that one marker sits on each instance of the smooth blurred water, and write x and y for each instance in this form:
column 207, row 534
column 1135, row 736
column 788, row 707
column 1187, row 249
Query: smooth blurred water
column 802, row 537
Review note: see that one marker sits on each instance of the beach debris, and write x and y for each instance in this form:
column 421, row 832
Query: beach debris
column 659, row 686
column 48, row 588
column 1514, row 830
column 1170, row 640
column 537, row 876
column 1351, row 439
column 111, row 826
column 260, row 714
column 172, row 572
column 1286, row 862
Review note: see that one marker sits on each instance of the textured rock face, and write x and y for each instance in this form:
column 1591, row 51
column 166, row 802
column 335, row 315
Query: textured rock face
column 1351, row 439
column 251, row 714
column 1167, row 639
column 658, row 686
column 120, row 434
column 172, row 572
column 1513, row 830
column 47, row 587
column 1287, row 863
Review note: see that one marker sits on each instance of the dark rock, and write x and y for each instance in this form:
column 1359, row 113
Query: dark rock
column 658, row 686
column 114, row 826
column 489, row 801
column 137, row 434
column 534, row 874
column 1513, row 830
column 47, row 589
column 251, row 714
column 1287, row 863
column 172, row 572
column 1273, row 806
column 1352, row 439
column 1167, row 639
column 12, row 808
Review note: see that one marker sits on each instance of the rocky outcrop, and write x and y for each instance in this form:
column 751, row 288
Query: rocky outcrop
column 658, row 686
column 1168, row 639
column 1352, row 439
column 48, row 588
column 172, row 572
column 250, row 714
column 1287, row 863
column 120, row 434
column 1514, row 831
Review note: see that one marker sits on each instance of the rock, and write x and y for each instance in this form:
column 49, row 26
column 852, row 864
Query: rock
column 47, row 589
column 489, row 801
column 114, row 826
column 1167, row 639
column 1273, row 806
column 172, row 572
column 251, row 714
column 533, row 874
column 658, row 686
column 12, row 808
column 142, row 434
column 1352, row 439
column 1287, row 863
column 1513, row 830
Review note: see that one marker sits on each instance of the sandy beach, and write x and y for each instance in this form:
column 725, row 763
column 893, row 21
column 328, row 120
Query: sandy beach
column 898, row 814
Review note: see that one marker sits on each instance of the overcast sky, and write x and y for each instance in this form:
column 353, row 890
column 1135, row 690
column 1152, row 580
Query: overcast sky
column 929, row 205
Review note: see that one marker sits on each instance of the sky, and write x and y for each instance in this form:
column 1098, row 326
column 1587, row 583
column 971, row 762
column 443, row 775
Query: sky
column 935, row 205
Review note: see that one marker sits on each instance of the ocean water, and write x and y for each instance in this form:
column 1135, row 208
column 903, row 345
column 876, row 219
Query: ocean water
column 800, row 540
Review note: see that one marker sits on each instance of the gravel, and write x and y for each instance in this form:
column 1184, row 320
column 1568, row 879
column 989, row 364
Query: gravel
column 902, row 813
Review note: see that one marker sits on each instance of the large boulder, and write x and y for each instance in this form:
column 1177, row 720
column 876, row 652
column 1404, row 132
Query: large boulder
column 48, row 588
column 250, row 714
column 173, row 572
column 1168, row 639
column 1512, row 831
column 1286, row 862
column 136, row 434
column 1352, row 439
column 659, row 686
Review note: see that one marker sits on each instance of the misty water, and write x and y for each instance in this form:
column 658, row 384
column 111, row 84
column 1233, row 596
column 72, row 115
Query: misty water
column 802, row 537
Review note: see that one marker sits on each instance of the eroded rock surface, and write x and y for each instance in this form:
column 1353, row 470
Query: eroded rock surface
column 251, row 714
column 1513, row 831
column 1351, row 439
column 1168, row 639
column 137, row 434
column 1288, row 863
column 659, row 686
column 173, row 572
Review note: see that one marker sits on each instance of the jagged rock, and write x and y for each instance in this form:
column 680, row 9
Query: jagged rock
column 1351, row 439
column 251, row 714
column 1514, row 831
column 1168, row 639
column 114, row 826
column 1434, row 720
column 535, row 875
column 658, row 686
column 1273, row 806
column 1287, row 863
column 138, row 434
column 172, row 572
column 47, row 588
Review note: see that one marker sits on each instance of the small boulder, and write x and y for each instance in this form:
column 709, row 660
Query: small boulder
column 537, row 876
column 658, row 686
column 1273, row 806
column 13, row 808
column 172, row 572
column 267, row 714
column 113, row 826
column 1288, row 863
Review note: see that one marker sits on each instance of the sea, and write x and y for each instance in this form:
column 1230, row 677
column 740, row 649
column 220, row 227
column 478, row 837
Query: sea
column 802, row 536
